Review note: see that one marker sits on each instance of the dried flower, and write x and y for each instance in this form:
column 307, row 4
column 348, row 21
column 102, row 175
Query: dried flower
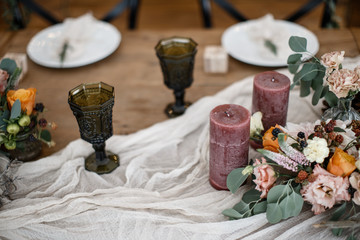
column 333, row 60
column 342, row 81
column 326, row 190
column 316, row 150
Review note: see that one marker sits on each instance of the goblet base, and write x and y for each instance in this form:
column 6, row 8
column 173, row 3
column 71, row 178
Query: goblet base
column 109, row 164
column 173, row 111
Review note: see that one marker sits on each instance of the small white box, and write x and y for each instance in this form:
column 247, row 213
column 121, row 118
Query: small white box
column 215, row 59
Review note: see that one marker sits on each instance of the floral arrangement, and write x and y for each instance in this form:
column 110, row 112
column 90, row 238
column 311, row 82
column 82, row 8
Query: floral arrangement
column 324, row 76
column 315, row 163
column 18, row 112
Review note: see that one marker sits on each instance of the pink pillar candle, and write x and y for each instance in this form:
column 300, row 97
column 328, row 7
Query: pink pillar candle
column 271, row 97
column 229, row 142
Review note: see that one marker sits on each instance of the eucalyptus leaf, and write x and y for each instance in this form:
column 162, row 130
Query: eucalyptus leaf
column 317, row 95
column 309, row 71
column 260, row 207
column 5, row 115
column 277, row 193
column 242, row 207
column 15, row 109
column 298, row 44
column 324, row 91
column 273, row 213
column 294, row 58
column 8, row 65
column 235, row 179
column 232, row 213
column 331, row 99
column 305, row 88
column 294, row 62
column 287, row 206
column 318, row 80
column 298, row 203
column 45, row 135
column 340, row 211
column 13, row 78
column 271, row 46
column 251, row 195
column 338, row 129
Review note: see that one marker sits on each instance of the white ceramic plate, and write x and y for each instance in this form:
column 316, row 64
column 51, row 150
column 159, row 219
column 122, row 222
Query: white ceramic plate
column 238, row 44
column 104, row 42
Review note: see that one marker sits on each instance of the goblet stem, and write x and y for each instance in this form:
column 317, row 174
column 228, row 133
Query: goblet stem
column 100, row 154
column 179, row 98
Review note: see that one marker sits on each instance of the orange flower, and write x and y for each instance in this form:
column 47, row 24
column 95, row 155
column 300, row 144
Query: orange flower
column 26, row 97
column 269, row 141
column 341, row 164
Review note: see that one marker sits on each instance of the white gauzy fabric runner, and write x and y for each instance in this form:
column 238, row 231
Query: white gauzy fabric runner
column 160, row 191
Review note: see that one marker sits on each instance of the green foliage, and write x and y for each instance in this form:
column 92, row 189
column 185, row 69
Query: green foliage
column 297, row 44
column 45, row 135
column 250, row 204
column 15, row 110
column 283, row 202
column 271, row 46
column 309, row 75
column 235, row 179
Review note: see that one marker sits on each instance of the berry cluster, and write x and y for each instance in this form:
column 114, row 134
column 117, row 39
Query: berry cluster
column 327, row 131
column 355, row 127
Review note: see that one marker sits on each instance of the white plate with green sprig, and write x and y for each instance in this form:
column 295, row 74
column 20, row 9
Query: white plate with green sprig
column 242, row 41
column 43, row 48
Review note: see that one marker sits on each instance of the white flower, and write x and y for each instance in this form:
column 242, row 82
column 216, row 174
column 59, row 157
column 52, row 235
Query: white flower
column 357, row 164
column 355, row 183
column 256, row 125
column 333, row 59
column 316, row 150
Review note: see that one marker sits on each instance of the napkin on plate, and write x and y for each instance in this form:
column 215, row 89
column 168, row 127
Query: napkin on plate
column 76, row 33
column 267, row 29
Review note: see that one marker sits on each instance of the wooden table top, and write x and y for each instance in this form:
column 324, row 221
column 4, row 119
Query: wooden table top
column 134, row 70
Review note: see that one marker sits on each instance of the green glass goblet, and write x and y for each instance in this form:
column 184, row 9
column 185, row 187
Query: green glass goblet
column 177, row 57
column 92, row 106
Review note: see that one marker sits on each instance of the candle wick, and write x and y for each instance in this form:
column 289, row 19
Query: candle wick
column 273, row 79
column 227, row 114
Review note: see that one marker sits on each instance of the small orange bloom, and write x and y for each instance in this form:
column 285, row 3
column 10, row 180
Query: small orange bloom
column 26, row 98
column 269, row 141
column 341, row 164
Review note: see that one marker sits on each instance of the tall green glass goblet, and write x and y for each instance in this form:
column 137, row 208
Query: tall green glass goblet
column 92, row 106
column 177, row 57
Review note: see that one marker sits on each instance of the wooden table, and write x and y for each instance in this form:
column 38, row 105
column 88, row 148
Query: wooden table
column 134, row 70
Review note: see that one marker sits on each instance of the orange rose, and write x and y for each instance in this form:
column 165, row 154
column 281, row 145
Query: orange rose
column 269, row 141
column 341, row 164
column 26, row 97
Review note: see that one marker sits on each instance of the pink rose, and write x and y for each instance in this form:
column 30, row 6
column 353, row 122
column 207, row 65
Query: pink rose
column 333, row 59
column 265, row 177
column 355, row 183
column 342, row 81
column 326, row 190
column 4, row 76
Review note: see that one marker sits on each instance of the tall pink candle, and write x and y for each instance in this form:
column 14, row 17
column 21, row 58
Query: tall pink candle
column 229, row 142
column 271, row 97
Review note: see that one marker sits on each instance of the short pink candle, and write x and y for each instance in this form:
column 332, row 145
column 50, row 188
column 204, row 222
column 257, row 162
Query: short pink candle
column 271, row 97
column 229, row 142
